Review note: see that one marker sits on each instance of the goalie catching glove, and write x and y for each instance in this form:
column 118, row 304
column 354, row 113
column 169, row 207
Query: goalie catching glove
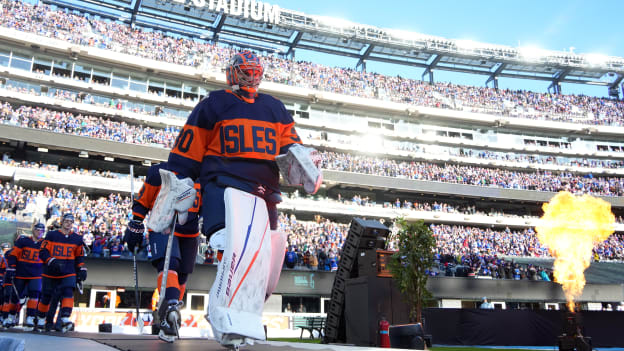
column 176, row 195
column 301, row 166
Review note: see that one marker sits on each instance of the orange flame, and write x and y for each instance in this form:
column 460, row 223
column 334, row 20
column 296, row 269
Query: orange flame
column 570, row 228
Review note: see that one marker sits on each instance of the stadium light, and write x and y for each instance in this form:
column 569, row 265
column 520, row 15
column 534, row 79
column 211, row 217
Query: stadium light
column 532, row 53
column 594, row 59
column 42, row 149
column 403, row 34
column 467, row 44
column 83, row 154
column 335, row 22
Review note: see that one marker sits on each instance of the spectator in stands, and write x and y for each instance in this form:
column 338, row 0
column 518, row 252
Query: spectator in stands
column 485, row 304
column 116, row 248
column 313, row 260
column 291, row 258
column 98, row 246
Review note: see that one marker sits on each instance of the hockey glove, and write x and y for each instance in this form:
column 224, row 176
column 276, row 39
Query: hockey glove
column 81, row 275
column 133, row 235
column 176, row 195
column 9, row 275
column 54, row 266
column 301, row 166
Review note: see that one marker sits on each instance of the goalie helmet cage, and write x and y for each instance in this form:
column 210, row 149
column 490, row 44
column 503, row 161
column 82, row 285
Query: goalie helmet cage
column 335, row 329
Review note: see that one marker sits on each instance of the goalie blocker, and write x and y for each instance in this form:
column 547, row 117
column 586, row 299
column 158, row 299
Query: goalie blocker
column 248, row 272
column 301, row 166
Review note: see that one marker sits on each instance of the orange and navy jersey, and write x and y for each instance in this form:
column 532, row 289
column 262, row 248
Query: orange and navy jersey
column 144, row 201
column 4, row 264
column 25, row 258
column 67, row 249
column 225, row 136
column 148, row 194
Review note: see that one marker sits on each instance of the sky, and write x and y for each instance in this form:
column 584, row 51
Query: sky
column 589, row 26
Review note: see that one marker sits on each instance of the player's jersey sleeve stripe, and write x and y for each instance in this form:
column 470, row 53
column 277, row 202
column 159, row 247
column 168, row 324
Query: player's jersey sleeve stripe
column 289, row 137
column 13, row 258
column 191, row 142
column 146, row 197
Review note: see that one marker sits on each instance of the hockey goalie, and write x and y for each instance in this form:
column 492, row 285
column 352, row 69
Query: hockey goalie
column 235, row 143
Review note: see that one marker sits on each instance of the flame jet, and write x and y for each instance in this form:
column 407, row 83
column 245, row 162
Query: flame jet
column 570, row 228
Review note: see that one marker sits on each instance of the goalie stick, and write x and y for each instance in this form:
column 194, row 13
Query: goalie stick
column 165, row 272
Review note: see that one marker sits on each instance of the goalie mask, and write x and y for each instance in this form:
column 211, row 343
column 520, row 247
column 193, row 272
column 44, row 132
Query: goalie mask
column 244, row 74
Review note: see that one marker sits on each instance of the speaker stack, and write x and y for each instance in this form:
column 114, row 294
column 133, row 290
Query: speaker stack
column 358, row 257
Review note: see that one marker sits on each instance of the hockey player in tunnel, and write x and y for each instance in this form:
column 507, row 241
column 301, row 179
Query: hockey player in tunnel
column 5, row 250
column 184, row 250
column 62, row 254
column 24, row 271
column 230, row 144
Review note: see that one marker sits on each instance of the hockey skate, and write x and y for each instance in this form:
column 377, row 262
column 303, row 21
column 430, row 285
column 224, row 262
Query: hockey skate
column 170, row 321
column 234, row 341
column 40, row 326
column 29, row 323
column 155, row 323
column 9, row 322
column 66, row 325
column 49, row 327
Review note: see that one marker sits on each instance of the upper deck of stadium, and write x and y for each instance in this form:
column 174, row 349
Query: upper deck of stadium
column 267, row 28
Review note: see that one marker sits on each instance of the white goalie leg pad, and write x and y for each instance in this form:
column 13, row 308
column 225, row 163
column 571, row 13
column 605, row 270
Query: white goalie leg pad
column 174, row 195
column 217, row 239
column 237, row 295
column 278, row 252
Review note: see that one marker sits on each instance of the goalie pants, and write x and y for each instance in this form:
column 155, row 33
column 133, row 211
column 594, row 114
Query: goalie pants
column 30, row 288
column 181, row 263
column 213, row 206
column 65, row 288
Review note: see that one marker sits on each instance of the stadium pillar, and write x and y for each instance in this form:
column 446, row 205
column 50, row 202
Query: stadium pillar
column 429, row 72
column 555, row 87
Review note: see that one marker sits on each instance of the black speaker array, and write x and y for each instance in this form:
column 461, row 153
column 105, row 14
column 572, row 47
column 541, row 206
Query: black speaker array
column 363, row 234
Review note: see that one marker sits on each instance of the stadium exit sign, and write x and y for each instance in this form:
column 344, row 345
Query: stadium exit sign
column 250, row 9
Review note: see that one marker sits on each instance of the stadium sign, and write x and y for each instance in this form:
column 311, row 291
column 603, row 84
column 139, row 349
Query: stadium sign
column 249, row 9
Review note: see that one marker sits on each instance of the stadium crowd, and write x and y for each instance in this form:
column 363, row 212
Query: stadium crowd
column 85, row 97
column 8, row 161
column 354, row 141
column 101, row 220
column 473, row 175
column 88, row 31
column 85, row 125
column 95, row 127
